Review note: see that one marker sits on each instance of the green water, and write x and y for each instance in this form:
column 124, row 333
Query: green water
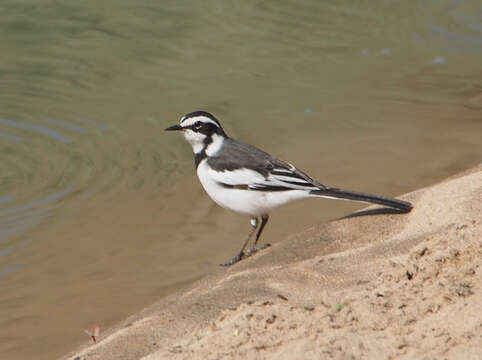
column 100, row 210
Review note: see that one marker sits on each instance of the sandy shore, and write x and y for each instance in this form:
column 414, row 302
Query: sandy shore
column 373, row 287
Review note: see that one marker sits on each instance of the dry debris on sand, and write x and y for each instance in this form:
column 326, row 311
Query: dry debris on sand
column 398, row 287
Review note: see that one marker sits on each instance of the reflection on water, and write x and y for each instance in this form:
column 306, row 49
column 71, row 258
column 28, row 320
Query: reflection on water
column 457, row 42
column 101, row 213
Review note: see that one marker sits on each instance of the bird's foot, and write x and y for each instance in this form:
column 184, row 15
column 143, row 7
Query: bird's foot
column 235, row 259
column 254, row 250
column 242, row 255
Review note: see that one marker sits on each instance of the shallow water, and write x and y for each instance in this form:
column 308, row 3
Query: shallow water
column 100, row 210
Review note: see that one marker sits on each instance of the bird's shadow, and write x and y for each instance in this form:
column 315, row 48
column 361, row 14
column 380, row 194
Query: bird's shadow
column 378, row 211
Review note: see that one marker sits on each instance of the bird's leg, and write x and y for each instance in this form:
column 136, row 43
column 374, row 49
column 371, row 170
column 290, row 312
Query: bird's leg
column 254, row 249
column 241, row 255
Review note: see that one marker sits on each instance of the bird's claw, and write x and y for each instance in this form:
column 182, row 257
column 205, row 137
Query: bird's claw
column 242, row 255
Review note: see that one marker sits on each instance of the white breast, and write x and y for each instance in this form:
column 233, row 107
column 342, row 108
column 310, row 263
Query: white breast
column 248, row 202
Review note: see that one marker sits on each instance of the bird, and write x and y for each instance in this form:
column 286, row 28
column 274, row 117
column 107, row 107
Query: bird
column 249, row 181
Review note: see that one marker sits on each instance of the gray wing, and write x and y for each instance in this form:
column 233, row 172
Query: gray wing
column 277, row 175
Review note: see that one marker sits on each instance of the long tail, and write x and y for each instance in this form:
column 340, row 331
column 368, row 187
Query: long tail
column 328, row 192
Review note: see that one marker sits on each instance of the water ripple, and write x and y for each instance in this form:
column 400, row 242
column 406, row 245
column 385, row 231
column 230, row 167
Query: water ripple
column 38, row 129
column 11, row 137
column 47, row 199
column 65, row 125
column 5, row 199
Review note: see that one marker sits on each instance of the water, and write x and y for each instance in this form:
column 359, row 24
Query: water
column 100, row 211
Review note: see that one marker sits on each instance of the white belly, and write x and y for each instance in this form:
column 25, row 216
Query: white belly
column 247, row 202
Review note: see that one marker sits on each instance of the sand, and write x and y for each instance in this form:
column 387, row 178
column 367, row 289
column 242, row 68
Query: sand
column 372, row 287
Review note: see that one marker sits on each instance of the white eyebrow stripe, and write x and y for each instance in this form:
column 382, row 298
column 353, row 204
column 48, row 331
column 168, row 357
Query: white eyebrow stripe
column 190, row 121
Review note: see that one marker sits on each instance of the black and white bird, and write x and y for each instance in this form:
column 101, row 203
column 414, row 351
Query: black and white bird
column 249, row 181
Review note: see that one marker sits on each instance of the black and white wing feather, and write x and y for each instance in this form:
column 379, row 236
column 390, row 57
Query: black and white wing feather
column 242, row 166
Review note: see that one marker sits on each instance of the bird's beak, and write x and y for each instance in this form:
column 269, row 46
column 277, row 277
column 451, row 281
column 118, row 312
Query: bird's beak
column 174, row 127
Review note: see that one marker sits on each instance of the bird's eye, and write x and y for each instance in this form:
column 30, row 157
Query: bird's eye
column 198, row 124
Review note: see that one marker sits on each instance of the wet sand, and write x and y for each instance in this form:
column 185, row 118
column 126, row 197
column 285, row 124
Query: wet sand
column 375, row 287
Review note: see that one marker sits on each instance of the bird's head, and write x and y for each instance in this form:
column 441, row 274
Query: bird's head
column 200, row 129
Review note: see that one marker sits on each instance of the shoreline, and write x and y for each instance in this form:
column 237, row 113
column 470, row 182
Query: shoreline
column 371, row 286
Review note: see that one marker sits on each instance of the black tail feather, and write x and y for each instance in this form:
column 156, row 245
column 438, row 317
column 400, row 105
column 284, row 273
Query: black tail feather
column 401, row 205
